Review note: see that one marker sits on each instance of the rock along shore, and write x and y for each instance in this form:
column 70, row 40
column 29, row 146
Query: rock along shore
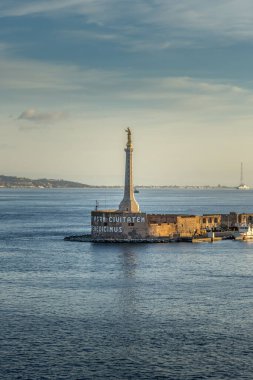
column 89, row 239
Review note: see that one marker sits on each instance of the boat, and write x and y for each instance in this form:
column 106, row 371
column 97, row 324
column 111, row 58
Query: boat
column 242, row 185
column 245, row 232
column 136, row 191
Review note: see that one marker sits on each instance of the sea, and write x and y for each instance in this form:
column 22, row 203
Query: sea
column 72, row 310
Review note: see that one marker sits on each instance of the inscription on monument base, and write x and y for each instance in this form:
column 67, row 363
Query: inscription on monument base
column 112, row 224
column 119, row 219
column 108, row 229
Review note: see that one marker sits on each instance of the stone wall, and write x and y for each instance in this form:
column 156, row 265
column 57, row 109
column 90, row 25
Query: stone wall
column 161, row 218
column 118, row 225
column 209, row 221
column 188, row 225
column 112, row 224
column 162, row 229
column 174, row 225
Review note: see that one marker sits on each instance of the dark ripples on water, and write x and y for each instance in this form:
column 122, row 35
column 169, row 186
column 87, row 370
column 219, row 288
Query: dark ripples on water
column 84, row 311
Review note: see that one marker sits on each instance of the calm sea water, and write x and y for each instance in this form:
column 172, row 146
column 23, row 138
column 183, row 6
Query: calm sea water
column 72, row 310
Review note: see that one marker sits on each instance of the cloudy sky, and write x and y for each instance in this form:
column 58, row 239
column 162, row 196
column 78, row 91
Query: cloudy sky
column 75, row 73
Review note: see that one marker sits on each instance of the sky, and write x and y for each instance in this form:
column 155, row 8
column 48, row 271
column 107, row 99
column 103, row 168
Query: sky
column 75, row 73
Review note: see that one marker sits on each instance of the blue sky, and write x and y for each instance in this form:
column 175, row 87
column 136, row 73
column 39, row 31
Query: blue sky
column 75, row 73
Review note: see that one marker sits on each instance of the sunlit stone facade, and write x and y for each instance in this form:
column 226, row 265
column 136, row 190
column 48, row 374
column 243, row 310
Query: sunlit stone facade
column 129, row 224
column 118, row 225
column 129, row 203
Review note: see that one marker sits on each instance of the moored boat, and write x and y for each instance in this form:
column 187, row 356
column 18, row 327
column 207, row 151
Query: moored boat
column 243, row 187
column 245, row 232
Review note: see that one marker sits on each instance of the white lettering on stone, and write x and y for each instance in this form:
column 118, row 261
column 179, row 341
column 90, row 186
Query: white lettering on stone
column 100, row 230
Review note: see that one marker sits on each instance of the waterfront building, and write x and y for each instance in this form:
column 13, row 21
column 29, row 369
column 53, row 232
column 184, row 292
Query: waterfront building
column 128, row 223
column 234, row 219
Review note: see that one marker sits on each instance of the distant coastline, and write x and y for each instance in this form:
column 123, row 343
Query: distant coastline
column 44, row 183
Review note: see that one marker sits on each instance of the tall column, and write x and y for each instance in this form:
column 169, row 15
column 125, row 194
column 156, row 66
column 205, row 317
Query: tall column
column 129, row 203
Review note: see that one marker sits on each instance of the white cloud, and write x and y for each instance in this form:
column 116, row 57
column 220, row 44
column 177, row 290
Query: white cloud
column 167, row 21
column 29, row 75
column 205, row 120
column 201, row 117
column 219, row 17
column 34, row 115
column 91, row 35
column 90, row 94
column 14, row 8
column 88, row 90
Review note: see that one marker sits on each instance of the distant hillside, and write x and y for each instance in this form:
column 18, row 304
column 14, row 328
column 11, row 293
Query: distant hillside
column 20, row 182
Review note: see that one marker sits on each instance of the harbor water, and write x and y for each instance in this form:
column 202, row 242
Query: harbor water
column 71, row 310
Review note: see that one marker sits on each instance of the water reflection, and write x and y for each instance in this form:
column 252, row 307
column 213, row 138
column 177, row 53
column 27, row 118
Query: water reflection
column 128, row 260
column 128, row 290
